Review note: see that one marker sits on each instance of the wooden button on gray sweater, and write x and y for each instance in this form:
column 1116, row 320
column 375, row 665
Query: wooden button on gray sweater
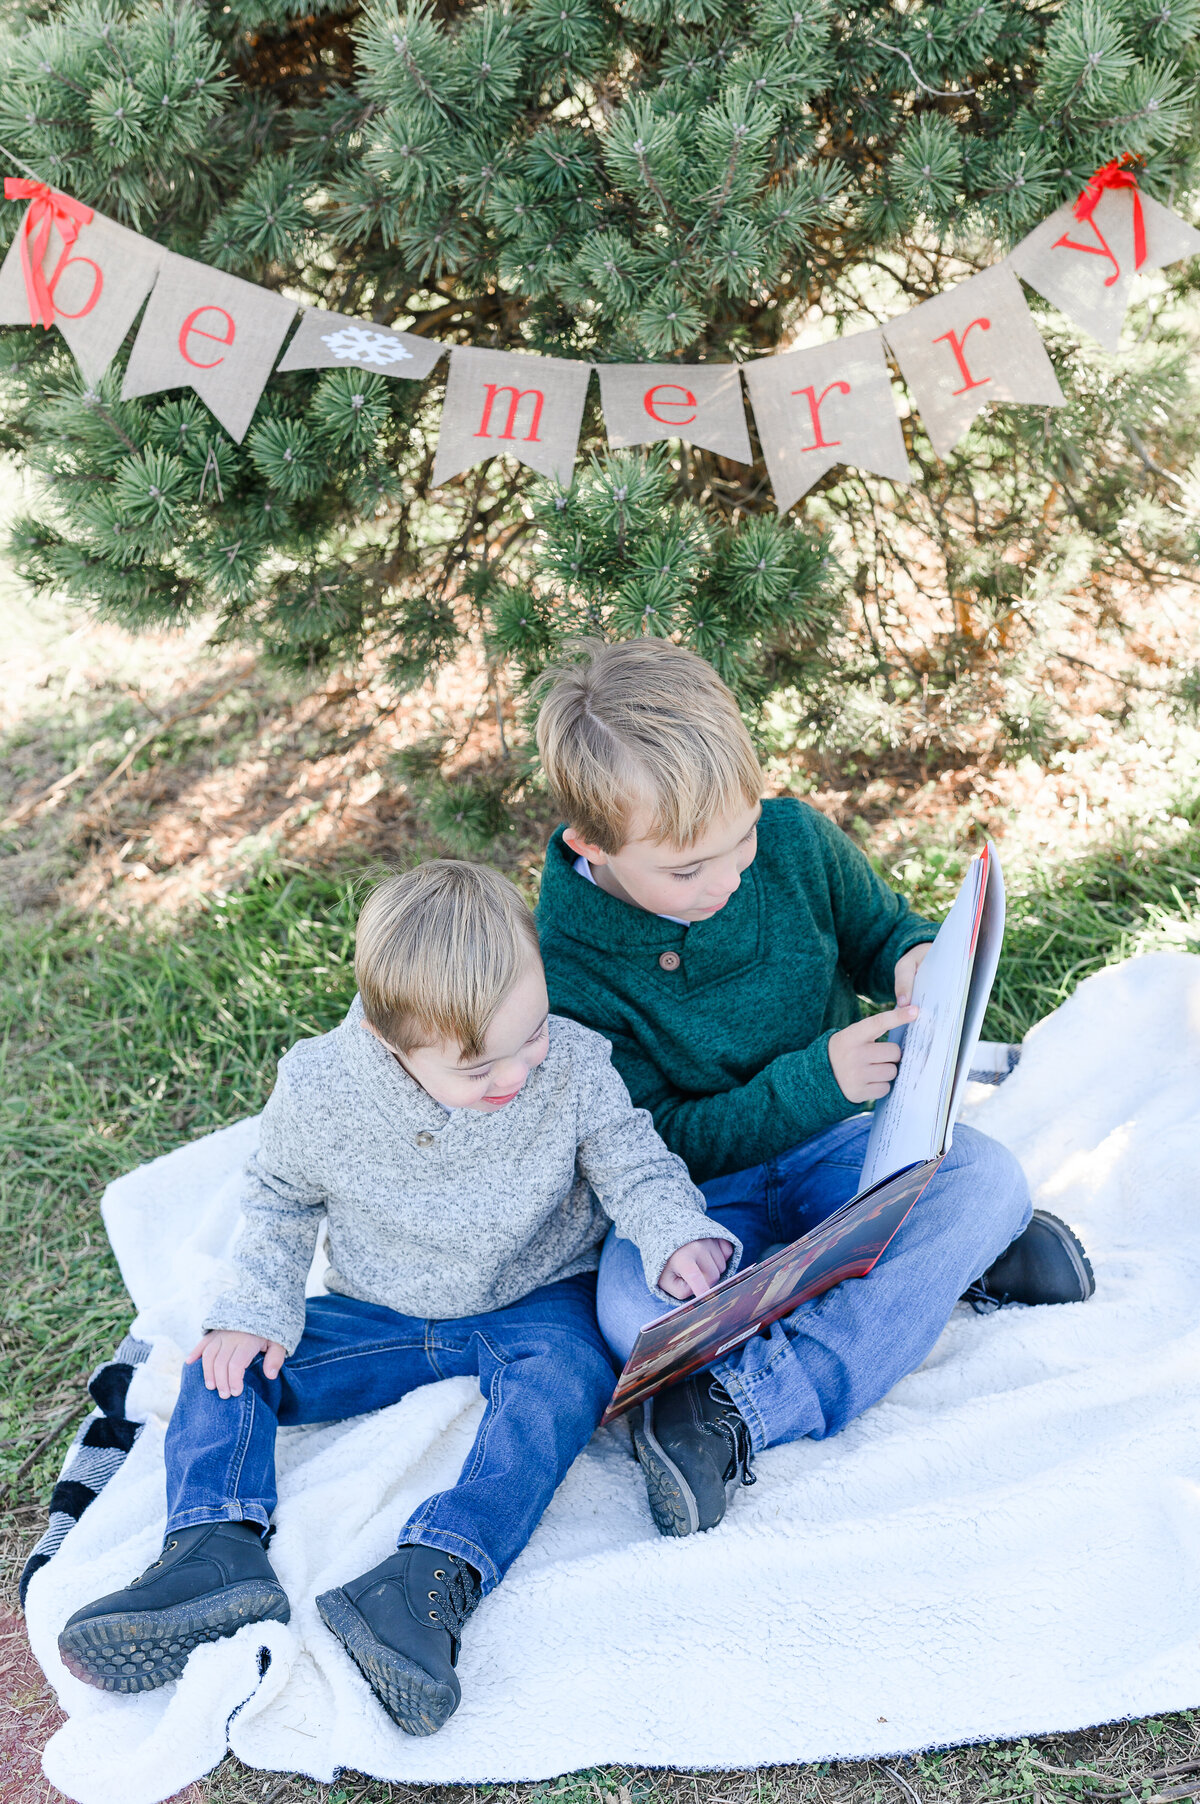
column 445, row 1213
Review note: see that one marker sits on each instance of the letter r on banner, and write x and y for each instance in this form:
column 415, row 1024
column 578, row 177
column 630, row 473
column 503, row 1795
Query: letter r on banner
column 957, row 341
column 676, row 414
column 815, row 403
column 190, row 329
column 515, row 398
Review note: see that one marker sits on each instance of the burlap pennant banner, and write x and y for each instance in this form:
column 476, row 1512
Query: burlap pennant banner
column 831, row 404
column 974, row 344
column 514, row 404
column 97, row 286
column 326, row 341
column 700, row 403
column 212, row 333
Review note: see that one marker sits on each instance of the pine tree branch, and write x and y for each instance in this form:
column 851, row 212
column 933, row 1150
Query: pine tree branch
column 484, row 306
column 936, row 93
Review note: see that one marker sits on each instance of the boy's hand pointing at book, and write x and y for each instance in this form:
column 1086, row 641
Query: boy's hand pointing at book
column 863, row 1064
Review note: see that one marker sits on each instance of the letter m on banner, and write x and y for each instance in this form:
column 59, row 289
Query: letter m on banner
column 492, row 391
column 511, row 404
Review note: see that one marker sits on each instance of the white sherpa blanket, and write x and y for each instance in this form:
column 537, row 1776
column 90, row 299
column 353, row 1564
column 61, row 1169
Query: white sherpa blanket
column 1009, row 1543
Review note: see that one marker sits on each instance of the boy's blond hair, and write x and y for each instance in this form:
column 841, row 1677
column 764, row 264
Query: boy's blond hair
column 644, row 725
column 437, row 950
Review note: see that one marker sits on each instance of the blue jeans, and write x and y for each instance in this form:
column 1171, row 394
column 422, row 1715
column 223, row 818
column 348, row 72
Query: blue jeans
column 836, row 1355
column 542, row 1366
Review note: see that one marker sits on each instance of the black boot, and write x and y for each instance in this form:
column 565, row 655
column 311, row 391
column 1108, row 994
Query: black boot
column 1045, row 1264
column 694, row 1447
column 401, row 1624
column 207, row 1582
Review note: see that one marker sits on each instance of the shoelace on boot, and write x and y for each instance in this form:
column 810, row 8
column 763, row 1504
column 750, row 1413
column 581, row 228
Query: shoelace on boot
column 981, row 1300
column 459, row 1594
column 732, row 1425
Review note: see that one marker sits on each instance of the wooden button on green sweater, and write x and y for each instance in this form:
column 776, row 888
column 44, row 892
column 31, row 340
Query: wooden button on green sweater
column 721, row 1028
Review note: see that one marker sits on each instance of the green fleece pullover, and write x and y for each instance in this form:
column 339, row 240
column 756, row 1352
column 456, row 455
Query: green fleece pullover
column 721, row 1029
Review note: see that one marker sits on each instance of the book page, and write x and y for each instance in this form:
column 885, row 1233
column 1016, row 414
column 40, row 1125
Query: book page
column 983, row 975
column 910, row 1122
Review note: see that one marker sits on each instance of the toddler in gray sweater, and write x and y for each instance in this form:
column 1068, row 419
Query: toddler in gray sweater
column 467, row 1152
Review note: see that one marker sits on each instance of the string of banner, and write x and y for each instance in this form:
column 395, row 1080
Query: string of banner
column 72, row 269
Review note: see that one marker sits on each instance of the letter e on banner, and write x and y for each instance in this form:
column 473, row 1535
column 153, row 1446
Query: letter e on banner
column 700, row 403
column 223, row 348
column 190, row 329
column 655, row 401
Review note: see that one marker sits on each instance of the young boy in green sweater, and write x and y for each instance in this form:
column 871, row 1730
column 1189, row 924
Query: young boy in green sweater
column 720, row 942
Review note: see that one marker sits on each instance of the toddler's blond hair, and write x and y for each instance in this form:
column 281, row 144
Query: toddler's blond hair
column 644, row 725
column 437, row 950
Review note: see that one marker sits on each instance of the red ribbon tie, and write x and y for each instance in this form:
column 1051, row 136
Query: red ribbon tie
column 1112, row 175
column 47, row 208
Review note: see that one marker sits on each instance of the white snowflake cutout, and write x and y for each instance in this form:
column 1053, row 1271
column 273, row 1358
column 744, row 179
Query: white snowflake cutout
column 359, row 344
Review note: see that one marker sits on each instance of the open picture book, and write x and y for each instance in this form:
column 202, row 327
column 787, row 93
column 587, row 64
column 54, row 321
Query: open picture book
column 910, row 1135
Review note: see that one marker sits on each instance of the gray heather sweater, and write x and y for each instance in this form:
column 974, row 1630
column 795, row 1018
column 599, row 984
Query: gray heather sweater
column 446, row 1213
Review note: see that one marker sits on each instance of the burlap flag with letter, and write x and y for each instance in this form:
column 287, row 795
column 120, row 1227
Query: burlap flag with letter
column 1085, row 267
column 698, row 402
column 831, row 404
column 511, row 403
column 974, row 344
column 327, row 341
column 96, row 286
column 210, row 332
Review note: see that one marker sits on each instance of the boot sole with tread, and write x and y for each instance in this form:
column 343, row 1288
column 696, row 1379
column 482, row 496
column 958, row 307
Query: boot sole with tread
column 141, row 1650
column 416, row 1701
column 1075, row 1252
column 672, row 1504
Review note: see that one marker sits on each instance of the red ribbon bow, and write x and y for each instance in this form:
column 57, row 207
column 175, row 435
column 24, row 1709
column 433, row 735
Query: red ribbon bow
column 1114, row 176
column 47, row 208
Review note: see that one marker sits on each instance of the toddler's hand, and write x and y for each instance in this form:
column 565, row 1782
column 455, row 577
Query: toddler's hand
column 863, row 1064
column 226, row 1352
column 692, row 1270
column 906, row 970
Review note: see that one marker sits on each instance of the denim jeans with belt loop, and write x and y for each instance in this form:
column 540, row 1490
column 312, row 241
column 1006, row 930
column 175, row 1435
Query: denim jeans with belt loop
column 542, row 1365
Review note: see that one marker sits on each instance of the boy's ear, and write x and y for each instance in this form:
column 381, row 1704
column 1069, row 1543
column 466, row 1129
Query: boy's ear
column 583, row 847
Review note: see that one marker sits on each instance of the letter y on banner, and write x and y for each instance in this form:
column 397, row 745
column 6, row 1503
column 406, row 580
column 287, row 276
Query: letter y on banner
column 832, row 404
column 1085, row 267
column 511, row 403
column 974, row 344
column 96, row 287
column 210, row 332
